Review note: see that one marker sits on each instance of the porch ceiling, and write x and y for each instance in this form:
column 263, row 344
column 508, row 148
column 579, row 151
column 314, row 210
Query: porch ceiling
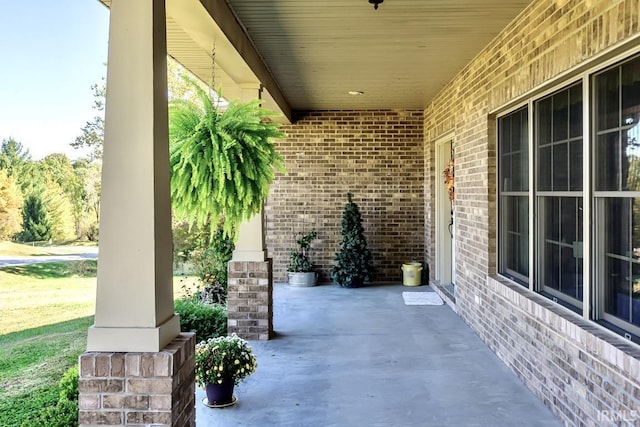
column 308, row 54
column 400, row 55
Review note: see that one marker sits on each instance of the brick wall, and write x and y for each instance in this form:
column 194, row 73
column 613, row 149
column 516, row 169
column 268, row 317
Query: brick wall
column 378, row 156
column 139, row 388
column 250, row 299
column 553, row 353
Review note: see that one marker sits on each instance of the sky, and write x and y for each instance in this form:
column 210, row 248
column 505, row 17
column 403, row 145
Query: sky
column 51, row 52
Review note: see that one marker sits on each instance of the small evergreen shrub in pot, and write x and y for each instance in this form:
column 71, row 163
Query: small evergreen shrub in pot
column 301, row 270
column 354, row 262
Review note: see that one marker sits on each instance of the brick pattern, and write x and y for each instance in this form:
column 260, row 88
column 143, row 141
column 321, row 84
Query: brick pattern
column 551, row 352
column 581, row 370
column 377, row 155
column 250, row 299
column 139, row 389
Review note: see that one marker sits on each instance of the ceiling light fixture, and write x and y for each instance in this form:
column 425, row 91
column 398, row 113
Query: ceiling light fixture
column 375, row 3
column 355, row 92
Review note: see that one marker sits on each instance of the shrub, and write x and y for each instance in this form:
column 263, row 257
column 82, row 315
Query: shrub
column 65, row 412
column 69, row 384
column 354, row 262
column 206, row 320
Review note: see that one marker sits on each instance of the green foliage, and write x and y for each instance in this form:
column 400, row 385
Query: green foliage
column 69, row 384
column 206, row 320
column 10, row 206
column 65, row 412
column 299, row 260
column 17, row 410
column 55, row 270
column 35, row 221
column 92, row 137
column 59, row 212
column 187, row 239
column 14, row 159
column 86, row 201
column 222, row 161
column 225, row 358
column 354, row 263
column 212, row 258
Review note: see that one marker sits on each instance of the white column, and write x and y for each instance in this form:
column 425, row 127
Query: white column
column 134, row 303
column 250, row 245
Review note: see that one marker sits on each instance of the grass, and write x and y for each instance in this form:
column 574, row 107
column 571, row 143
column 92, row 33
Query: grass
column 42, row 249
column 46, row 311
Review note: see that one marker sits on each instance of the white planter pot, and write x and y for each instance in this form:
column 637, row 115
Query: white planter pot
column 303, row 279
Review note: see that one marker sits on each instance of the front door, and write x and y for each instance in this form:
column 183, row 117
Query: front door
column 445, row 215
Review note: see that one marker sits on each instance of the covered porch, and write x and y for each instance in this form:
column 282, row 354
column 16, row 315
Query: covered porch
column 360, row 357
column 378, row 103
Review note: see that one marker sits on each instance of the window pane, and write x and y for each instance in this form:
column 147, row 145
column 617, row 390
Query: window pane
column 515, row 225
column 544, row 169
column 505, row 173
column 630, row 92
column 621, row 275
column 575, row 111
column 560, row 168
column 543, row 123
column 561, row 253
column 550, row 207
column 631, row 172
column 570, row 273
column 513, row 152
column 551, row 262
column 635, row 294
column 615, row 226
column 560, row 116
column 575, row 165
column 617, row 288
column 608, row 100
column 504, row 135
column 635, row 230
column 607, row 155
column 523, row 148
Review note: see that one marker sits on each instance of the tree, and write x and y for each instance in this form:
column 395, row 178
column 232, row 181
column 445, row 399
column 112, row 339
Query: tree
column 59, row 212
column 77, row 181
column 88, row 174
column 354, row 263
column 92, row 137
column 10, row 206
column 222, row 162
column 16, row 161
column 35, row 222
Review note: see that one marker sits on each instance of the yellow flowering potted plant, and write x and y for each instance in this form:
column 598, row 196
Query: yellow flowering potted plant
column 221, row 363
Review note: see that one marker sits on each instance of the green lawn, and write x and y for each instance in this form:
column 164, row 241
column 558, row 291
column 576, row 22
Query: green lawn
column 40, row 249
column 46, row 311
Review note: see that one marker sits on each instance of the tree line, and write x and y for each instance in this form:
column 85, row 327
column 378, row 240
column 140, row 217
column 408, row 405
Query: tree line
column 54, row 198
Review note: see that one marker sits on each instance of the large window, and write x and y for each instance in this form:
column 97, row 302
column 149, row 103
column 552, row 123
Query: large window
column 569, row 190
column 617, row 193
column 558, row 136
column 513, row 137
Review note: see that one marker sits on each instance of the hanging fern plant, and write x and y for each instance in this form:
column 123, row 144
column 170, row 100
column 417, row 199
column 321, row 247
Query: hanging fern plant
column 222, row 160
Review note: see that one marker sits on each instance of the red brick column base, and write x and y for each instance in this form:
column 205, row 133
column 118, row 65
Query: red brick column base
column 250, row 299
column 139, row 388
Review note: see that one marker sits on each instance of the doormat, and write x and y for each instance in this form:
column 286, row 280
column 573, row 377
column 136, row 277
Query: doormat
column 421, row 298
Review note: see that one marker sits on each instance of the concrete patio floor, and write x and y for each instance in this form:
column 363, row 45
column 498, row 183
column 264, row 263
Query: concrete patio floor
column 360, row 357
